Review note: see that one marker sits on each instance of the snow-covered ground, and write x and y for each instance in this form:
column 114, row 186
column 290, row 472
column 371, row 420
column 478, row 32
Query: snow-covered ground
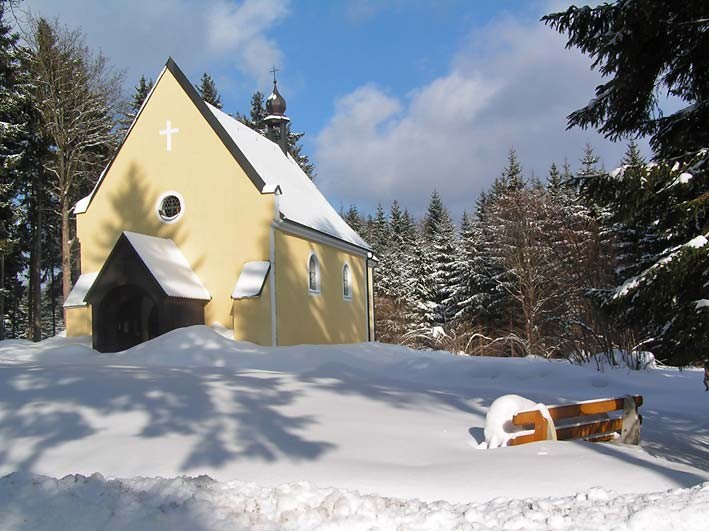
column 194, row 504
column 369, row 427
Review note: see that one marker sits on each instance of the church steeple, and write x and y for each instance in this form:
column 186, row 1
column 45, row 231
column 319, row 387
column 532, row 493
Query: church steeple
column 277, row 121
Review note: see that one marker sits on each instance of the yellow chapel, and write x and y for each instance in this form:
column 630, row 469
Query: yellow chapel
column 198, row 219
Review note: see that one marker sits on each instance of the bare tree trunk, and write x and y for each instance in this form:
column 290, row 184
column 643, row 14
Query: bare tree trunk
column 52, row 276
column 66, row 250
column 35, row 317
column 2, row 296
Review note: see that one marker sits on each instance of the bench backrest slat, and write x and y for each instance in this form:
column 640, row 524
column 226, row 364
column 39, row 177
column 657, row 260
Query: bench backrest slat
column 584, row 425
column 591, row 407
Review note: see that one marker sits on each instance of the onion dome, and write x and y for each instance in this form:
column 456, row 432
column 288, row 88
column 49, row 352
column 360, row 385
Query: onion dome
column 275, row 104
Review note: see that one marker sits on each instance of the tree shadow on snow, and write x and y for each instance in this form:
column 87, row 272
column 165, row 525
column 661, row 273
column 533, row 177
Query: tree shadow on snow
column 681, row 478
column 44, row 408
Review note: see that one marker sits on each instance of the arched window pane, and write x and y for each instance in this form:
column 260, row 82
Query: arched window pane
column 346, row 285
column 313, row 274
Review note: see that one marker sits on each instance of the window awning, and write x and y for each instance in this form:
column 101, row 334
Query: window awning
column 79, row 291
column 251, row 280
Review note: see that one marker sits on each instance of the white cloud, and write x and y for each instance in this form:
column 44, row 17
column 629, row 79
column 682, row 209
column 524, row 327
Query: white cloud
column 139, row 35
column 511, row 85
column 240, row 29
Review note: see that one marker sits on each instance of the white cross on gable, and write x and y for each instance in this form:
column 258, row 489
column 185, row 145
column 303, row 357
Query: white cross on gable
column 168, row 132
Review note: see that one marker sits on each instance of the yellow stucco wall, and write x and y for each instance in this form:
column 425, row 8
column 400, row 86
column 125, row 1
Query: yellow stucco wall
column 327, row 317
column 78, row 321
column 252, row 317
column 225, row 221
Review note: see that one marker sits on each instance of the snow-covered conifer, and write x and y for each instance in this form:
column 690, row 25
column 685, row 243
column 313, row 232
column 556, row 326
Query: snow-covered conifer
column 207, row 90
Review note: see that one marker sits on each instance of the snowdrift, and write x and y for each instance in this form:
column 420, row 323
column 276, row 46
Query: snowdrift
column 76, row 502
column 382, row 420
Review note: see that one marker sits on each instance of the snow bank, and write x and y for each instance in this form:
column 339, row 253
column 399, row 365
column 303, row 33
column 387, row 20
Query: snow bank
column 378, row 419
column 40, row 503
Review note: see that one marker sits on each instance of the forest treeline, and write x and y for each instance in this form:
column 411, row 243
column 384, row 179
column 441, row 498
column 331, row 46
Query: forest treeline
column 586, row 263
column 542, row 268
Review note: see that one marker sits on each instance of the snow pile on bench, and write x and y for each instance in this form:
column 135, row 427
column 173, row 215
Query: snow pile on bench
column 499, row 429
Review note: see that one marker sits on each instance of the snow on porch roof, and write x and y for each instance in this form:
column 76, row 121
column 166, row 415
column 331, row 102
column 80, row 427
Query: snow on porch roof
column 301, row 201
column 80, row 289
column 251, row 280
column 169, row 266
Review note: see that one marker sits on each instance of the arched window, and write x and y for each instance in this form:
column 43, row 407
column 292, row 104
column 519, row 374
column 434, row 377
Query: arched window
column 346, row 282
column 313, row 274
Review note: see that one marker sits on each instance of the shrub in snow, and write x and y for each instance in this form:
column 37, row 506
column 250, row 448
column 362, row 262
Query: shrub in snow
column 624, row 359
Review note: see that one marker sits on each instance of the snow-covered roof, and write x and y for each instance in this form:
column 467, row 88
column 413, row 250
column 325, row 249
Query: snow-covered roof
column 80, row 289
column 251, row 280
column 169, row 266
column 300, row 201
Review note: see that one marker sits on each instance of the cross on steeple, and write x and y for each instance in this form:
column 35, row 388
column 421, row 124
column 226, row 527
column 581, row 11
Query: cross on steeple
column 273, row 71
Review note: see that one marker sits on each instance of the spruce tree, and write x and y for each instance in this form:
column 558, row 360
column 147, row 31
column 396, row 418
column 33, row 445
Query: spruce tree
column 256, row 121
column 464, row 287
column 355, row 220
column 554, row 181
column 400, row 248
column 441, row 244
column 422, row 308
column 512, row 177
column 24, row 155
column 257, row 113
column 142, row 89
column 379, row 233
column 140, row 93
column 11, row 136
column 207, row 90
column 642, row 47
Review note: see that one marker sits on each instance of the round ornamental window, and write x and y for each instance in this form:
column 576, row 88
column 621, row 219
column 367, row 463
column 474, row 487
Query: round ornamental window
column 170, row 207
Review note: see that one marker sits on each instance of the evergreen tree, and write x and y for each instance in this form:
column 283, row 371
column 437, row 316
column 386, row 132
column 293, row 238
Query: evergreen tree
column 295, row 148
column 485, row 300
column 512, row 177
column 256, row 121
column 640, row 46
column 441, row 244
column 434, row 215
column 257, row 113
column 140, row 93
column 393, row 280
column 379, row 233
column 422, row 307
column 11, row 135
column 355, row 220
column 207, row 90
column 554, row 180
column 464, row 286
column 400, row 248
column 589, row 165
column 24, row 153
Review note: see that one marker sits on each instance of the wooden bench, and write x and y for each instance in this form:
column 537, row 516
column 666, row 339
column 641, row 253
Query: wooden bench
column 577, row 421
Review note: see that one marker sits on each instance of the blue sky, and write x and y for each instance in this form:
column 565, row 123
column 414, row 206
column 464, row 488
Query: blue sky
column 396, row 97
